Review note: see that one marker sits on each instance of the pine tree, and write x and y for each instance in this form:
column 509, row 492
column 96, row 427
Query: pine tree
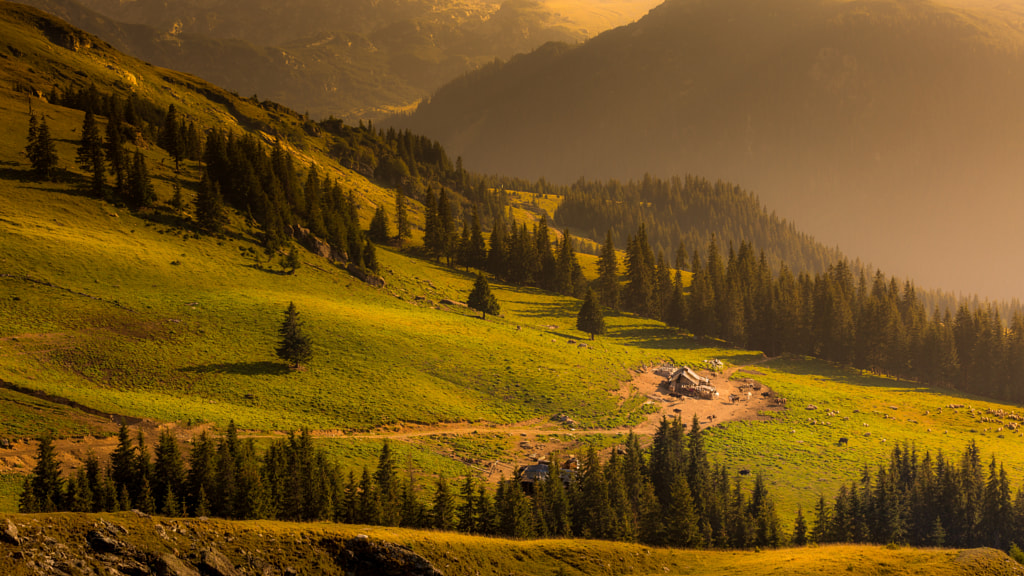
column 675, row 314
column 379, row 232
column 640, row 275
column 388, row 489
column 565, row 265
column 403, row 230
column 481, row 299
column 497, row 252
column 168, row 474
column 177, row 201
column 210, row 212
column 44, row 489
column 800, row 528
column 291, row 260
column 590, row 319
column 114, row 150
column 171, row 138
column 413, row 511
column 680, row 518
column 462, row 255
column 608, row 274
column 487, row 516
column 594, row 517
column 41, row 150
column 295, row 347
column 937, row 536
column 123, row 460
column 145, row 502
column 681, row 263
column 202, row 508
column 467, row 507
column 445, row 244
column 90, row 153
column 432, row 234
column 443, row 512
column 477, row 252
column 140, row 190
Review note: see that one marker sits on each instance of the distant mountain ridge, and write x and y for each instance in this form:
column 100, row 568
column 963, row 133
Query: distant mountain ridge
column 872, row 123
column 346, row 58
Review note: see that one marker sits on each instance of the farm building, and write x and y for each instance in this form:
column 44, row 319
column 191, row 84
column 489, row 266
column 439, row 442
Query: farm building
column 686, row 382
column 528, row 475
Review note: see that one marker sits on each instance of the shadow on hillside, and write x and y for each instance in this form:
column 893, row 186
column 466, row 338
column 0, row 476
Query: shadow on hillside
column 242, row 369
column 264, row 268
column 7, row 172
column 553, row 310
column 824, row 371
column 653, row 338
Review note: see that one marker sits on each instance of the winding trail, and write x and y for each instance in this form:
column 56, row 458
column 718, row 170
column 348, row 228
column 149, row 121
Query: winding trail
column 20, row 457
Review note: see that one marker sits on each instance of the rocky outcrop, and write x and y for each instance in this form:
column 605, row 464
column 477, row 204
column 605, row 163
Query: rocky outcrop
column 141, row 545
column 363, row 556
column 365, row 275
column 9, row 532
column 213, row 563
column 315, row 244
column 170, row 565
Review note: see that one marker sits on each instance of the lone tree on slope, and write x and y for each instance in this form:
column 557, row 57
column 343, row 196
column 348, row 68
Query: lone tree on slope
column 590, row 319
column 295, row 347
column 481, row 299
column 41, row 150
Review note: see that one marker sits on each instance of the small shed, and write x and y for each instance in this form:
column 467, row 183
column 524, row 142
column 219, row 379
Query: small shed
column 529, row 475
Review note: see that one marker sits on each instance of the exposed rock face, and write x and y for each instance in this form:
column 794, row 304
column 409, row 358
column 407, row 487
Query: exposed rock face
column 213, row 563
column 363, row 556
column 9, row 532
column 316, row 245
column 170, row 565
column 133, row 545
column 366, row 276
column 105, row 544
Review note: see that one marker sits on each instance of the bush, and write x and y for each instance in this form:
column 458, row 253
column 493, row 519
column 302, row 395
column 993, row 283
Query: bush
column 1016, row 553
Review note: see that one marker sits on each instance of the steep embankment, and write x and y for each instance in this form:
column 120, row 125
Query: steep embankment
column 68, row 543
column 872, row 124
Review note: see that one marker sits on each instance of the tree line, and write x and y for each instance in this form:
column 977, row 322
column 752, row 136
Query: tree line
column 515, row 252
column 689, row 210
column 669, row 494
column 264, row 185
column 875, row 323
column 922, row 500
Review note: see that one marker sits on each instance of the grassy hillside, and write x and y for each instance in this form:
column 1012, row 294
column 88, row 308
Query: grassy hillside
column 314, row 548
column 132, row 315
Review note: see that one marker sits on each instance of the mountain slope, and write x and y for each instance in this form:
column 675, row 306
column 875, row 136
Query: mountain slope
column 348, row 59
column 871, row 123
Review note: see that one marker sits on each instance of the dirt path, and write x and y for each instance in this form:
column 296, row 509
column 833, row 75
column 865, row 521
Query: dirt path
column 72, row 452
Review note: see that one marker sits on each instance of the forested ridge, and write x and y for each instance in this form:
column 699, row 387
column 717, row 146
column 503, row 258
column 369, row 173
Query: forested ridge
column 669, row 494
column 689, row 210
